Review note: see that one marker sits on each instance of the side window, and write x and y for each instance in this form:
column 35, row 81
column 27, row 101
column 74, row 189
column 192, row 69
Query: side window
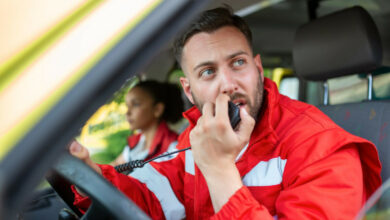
column 287, row 83
column 349, row 89
column 381, row 85
column 106, row 131
column 354, row 88
column 289, row 86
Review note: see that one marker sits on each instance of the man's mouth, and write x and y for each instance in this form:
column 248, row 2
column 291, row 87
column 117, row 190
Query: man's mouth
column 239, row 102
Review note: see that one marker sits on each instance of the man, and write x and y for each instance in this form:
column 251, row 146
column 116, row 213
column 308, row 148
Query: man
column 285, row 158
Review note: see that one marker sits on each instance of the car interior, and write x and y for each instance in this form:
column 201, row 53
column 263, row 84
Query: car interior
column 334, row 54
column 341, row 57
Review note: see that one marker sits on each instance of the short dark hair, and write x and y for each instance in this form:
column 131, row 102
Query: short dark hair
column 210, row 21
column 167, row 93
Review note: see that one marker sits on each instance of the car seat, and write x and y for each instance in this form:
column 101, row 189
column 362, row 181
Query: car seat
column 340, row 44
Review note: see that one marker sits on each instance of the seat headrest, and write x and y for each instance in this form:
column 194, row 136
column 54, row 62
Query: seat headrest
column 342, row 43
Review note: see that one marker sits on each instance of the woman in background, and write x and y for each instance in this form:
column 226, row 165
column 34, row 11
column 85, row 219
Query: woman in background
column 151, row 105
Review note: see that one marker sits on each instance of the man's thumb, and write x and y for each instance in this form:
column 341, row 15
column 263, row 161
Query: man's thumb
column 247, row 123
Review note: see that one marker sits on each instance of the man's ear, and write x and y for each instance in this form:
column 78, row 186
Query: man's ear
column 186, row 88
column 159, row 110
column 259, row 66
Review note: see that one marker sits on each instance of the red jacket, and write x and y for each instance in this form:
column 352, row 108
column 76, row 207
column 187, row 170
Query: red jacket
column 163, row 139
column 298, row 165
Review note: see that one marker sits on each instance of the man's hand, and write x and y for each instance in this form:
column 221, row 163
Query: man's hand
column 77, row 150
column 214, row 143
column 215, row 146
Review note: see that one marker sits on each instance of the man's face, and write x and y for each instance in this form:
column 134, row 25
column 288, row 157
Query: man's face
column 222, row 62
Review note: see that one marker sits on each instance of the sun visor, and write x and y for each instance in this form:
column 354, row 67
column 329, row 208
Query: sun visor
column 339, row 44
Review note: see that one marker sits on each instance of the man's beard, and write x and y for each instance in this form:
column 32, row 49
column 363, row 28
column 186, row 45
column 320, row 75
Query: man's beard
column 254, row 108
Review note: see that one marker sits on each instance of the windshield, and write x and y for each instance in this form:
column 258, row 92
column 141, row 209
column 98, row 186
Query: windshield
column 53, row 62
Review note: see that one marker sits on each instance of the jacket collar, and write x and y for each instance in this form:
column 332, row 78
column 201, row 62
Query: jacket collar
column 157, row 140
column 162, row 131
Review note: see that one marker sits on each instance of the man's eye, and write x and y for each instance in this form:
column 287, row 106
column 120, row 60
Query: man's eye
column 206, row 72
column 239, row 62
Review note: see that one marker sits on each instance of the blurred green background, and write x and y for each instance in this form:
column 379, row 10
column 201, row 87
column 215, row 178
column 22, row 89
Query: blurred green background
column 105, row 133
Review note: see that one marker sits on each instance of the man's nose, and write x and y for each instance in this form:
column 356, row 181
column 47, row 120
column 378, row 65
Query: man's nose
column 228, row 82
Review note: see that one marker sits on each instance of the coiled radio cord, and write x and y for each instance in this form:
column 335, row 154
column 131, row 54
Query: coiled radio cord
column 129, row 166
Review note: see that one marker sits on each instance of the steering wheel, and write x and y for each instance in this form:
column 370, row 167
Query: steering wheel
column 107, row 201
